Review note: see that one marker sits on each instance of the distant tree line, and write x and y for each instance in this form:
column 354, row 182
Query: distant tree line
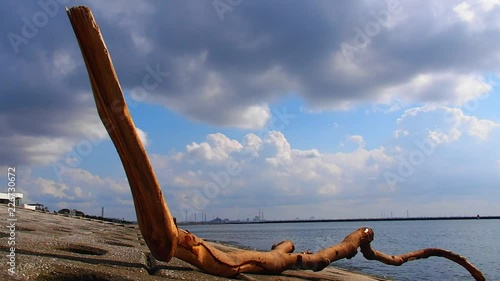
column 77, row 213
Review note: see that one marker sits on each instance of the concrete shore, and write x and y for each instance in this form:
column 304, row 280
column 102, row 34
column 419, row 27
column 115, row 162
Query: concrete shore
column 60, row 248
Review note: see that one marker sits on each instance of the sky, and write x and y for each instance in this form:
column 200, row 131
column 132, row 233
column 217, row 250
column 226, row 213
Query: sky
column 325, row 109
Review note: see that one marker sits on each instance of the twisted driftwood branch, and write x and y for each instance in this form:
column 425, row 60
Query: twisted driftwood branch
column 158, row 227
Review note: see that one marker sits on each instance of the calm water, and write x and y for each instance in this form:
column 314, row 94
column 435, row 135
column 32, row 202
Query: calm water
column 477, row 240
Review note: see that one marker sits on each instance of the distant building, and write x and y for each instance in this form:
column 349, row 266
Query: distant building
column 74, row 212
column 64, row 211
column 217, row 220
column 35, row 206
column 77, row 213
column 5, row 198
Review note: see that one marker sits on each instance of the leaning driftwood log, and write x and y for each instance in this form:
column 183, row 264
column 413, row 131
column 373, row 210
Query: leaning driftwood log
column 155, row 221
column 163, row 237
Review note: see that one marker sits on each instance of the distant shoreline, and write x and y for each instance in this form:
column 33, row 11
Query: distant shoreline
column 347, row 220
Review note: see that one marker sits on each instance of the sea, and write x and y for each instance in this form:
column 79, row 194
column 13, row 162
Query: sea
column 477, row 240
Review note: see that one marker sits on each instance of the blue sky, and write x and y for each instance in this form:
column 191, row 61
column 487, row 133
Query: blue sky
column 324, row 109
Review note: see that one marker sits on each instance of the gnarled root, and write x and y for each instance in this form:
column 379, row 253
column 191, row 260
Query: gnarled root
column 211, row 260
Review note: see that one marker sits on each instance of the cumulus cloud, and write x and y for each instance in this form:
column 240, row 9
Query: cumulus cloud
column 221, row 172
column 488, row 5
column 357, row 139
column 425, row 57
column 477, row 14
column 217, row 147
column 78, row 189
column 267, row 171
column 445, row 153
column 464, row 12
column 228, row 74
column 51, row 188
column 444, row 124
column 439, row 88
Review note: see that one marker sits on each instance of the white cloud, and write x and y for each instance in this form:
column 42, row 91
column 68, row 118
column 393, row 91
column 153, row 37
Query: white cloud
column 142, row 43
column 400, row 133
column 448, row 124
column 221, row 82
column 78, row 192
column 252, row 141
column 44, row 150
column 357, row 139
column 77, row 137
column 217, row 147
column 233, row 76
column 489, row 5
column 439, row 88
column 78, row 188
column 480, row 15
column 437, row 137
column 63, row 63
column 205, row 94
column 276, row 146
column 464, row 12
column 81, row 177
column 51, row 188
column 143, row 136
column 480, row 128
column 428, row 55
column 269, row 172
column 253, row 117
column 268, row 167
column 471, row 125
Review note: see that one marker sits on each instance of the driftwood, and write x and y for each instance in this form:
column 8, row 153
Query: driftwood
column 163, row 237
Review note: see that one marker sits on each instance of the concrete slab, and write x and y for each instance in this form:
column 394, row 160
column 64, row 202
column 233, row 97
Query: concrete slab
column 56, row 247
